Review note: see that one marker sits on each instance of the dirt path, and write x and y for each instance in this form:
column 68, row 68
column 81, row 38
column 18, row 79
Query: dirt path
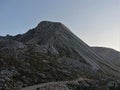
column 53, row 85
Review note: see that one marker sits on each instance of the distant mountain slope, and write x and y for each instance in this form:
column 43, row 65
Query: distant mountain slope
column 49, row 52
column 110, row 54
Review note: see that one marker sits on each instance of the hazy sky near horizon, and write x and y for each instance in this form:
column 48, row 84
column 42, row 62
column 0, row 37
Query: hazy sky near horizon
column 97, row 22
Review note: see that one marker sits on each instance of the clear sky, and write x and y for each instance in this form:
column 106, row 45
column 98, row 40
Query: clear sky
column 97, row 22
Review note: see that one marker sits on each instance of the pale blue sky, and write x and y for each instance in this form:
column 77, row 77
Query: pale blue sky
column 97, row 22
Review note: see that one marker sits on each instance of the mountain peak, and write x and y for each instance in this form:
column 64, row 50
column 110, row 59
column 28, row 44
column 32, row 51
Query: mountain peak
column 48, row 23
column 43, row 32
column 51, row 52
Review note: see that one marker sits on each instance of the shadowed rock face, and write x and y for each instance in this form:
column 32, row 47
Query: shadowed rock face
column 50, row 52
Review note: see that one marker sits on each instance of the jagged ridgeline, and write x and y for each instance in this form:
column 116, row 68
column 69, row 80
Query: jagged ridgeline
column 50, row 52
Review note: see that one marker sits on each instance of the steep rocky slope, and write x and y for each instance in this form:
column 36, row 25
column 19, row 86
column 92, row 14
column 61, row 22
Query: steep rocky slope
column 110, row 54
column 49, row 52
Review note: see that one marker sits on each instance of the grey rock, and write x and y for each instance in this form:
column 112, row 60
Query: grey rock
column 51, row 52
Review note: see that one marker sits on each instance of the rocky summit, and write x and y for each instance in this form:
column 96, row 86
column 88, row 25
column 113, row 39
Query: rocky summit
column 50, row 52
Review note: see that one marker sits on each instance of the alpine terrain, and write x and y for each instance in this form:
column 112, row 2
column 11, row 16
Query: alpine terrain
column 51, row 54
